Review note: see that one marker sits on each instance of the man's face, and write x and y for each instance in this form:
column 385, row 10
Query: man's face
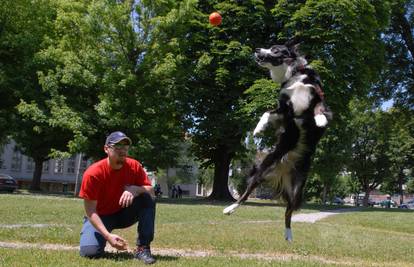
column 117, row 152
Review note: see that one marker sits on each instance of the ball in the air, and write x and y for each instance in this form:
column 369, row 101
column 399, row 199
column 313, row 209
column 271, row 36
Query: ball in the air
column 215, row 19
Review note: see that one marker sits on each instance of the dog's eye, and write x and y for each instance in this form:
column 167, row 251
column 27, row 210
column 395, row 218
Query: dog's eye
column 274, row 50
column 286, row 52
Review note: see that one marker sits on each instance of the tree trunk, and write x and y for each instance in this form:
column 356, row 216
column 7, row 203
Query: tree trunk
column 366, row 198
column 324, row 193
column 400, row 185
column 403, row 26
column 221, row 176
column 37, row 175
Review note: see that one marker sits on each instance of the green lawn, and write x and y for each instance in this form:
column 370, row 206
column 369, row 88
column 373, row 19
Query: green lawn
column 370, row 237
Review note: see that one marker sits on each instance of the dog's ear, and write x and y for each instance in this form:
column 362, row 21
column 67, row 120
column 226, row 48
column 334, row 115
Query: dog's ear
column 295, row 49
column 293, row 41
column 293, row 45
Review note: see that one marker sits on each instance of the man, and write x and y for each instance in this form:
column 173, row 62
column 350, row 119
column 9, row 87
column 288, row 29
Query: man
column 117, row 193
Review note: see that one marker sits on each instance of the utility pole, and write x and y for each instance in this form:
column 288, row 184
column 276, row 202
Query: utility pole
column 77, row 175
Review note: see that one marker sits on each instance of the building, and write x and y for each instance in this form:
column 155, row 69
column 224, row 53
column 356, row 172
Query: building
column 58, row 175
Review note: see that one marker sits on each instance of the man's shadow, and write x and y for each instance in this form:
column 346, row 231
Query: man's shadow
column 124, row 255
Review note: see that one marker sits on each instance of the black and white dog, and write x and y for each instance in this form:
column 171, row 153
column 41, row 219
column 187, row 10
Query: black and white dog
column 299, row 122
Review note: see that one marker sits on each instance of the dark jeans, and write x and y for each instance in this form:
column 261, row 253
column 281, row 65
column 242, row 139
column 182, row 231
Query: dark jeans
column 142, row 210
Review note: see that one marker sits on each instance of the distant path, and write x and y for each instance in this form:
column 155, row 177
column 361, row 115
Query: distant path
column 316, row 216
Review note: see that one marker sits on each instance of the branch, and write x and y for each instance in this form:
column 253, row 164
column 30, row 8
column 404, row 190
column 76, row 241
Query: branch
column 402, row 24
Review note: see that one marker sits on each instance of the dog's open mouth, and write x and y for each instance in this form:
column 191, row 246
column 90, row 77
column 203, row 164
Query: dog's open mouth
column 259, row 58
column 263, row 58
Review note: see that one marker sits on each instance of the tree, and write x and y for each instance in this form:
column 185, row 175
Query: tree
column 23, row 27
column 98, row 79
column 368, row 164
column 410, row 186
column 397, row 83
column 216, row 67
column 401, row 149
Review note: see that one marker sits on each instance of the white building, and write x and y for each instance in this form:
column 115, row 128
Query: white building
column 58, row 174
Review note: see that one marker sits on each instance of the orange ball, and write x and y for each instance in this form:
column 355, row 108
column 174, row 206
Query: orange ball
column 215, row 19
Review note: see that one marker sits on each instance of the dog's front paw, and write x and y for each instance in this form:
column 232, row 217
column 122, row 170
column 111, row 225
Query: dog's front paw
column 321, row 120
column 261, row 126
column 230, row 209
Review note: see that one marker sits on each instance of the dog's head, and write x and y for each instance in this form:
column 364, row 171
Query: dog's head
column 280, row 60
column 275, row 56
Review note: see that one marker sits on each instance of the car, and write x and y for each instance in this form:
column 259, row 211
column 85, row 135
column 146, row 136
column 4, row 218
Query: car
column 387, row 203
column 407, row 205
column 7, row 183
column 338, row 201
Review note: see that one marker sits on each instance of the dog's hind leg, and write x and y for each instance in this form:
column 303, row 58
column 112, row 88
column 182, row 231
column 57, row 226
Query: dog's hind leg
column 257, row 177
column 254, row 182
column 288, row 218
column 294, row 201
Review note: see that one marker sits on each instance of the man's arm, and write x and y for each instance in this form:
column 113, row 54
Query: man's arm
column 115, row 240
column 132, row 191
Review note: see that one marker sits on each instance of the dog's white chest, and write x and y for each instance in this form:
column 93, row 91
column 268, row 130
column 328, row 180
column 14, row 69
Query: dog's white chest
column 300, row 96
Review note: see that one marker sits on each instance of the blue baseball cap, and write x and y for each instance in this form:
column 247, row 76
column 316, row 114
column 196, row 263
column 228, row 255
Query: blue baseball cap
column 117, row 137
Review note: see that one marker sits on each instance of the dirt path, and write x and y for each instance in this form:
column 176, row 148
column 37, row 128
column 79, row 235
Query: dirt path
column 316, row 216
column 189, row 253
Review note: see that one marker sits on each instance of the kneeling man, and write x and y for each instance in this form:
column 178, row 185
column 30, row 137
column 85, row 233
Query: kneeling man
column 117, row 193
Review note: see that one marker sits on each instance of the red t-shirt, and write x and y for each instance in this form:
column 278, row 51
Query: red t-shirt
column 105, row 185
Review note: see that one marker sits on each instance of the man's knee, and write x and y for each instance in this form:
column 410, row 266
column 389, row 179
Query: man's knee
column 145, row 200
column 92, row 251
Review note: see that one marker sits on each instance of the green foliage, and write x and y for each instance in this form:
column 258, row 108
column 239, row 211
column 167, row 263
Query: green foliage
column 216, row 68
column 400, row 149
column 77, row 70
column 100, row 79
column 23, row 28
column 206, row 176
column 410, row 186
column 368, row 163
column 396, row 83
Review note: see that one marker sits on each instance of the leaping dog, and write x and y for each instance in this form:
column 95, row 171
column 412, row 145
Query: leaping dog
column 299, row 122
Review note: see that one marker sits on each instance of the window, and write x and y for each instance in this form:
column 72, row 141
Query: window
column 71, row 165
column 58, row 166
column 16, row 164
column 29, row 164
column 199, row 189
column 2, row 165
column 45, row 166
column 84, row 164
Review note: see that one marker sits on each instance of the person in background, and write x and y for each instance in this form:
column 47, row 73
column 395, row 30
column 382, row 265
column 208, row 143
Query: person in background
column 174, row 192
column 179, row 192
column 117, row 193
column 157, row 189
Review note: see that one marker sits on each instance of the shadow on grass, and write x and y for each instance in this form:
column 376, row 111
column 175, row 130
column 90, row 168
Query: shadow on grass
column 125, row 256
column 117, row 256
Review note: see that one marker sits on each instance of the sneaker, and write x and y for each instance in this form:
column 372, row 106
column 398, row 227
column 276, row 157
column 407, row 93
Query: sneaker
column 144, row 254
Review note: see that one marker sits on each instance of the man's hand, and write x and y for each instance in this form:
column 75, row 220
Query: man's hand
column 136, row 190
column 117, row 242
column 127, row 197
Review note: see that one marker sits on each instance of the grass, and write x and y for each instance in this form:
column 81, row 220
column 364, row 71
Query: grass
column 372, row 236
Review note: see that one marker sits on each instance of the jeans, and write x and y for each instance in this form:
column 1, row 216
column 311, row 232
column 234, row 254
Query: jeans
column 142, row 210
